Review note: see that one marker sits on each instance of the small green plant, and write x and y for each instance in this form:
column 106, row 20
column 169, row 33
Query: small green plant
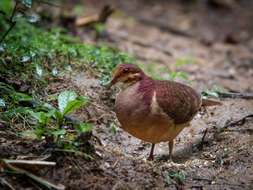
column 178, row 177
column 99, row 27
column 174, row 74
column 78, row 10
column 213, row 92
column 226, row 150
column 150, row 70
column 10, row 109
column 50, row 121
column 35, row 55
column 67, row 103
column 113, row 129
column 183, row 61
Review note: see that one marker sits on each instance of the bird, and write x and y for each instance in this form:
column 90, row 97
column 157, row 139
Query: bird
column 154, row 110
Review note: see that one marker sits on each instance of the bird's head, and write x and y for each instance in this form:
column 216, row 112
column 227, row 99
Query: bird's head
column 127, row 73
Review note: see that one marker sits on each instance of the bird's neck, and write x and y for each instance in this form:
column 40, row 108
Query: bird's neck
column 128, row 84
column 131, row 82
column 147, row 88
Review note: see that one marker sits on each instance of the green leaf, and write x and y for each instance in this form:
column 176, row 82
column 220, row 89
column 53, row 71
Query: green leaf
column 54, row 71
column 210, row 93
column 39, row 70
column 82, row 127
column 29, row 132
column 44, row 118
column 53, row 96
column 64, row 98
column 113, row 128
column 25, row 58
column 6, row 6
column 58, row 116
column 173, row 74
column 218, row 88
column 59, row 132
column 71, row 137
column 78, row 143
column 23, row 96
column 48, row 106
column 72, row 106
column 27, row 3
column 41, row 117
column 19, row 109
column 68, row 68
column 2, row 102
column 78, row 9
column 183, row 61
column 179, row 176
column 36, row 115
column 84, row 99
column 32, row 19
column 183, row 75
column 168, row 178
column 99, row 27
column 2, row 85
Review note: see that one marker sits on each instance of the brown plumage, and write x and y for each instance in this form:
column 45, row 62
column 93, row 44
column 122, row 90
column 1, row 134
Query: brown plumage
column 154, row 110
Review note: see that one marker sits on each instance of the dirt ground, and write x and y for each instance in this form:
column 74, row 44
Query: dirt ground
column 220, row 41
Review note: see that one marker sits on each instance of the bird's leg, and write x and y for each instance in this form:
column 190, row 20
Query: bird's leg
column 171, row 143
column 151, row 157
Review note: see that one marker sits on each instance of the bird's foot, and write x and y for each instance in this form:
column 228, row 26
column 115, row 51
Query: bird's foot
column 150, row 158
column 170, row 158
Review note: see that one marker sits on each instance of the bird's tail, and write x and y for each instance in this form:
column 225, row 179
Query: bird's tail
column 208, row 102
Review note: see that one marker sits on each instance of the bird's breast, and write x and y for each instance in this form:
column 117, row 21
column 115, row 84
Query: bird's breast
column 129, row 105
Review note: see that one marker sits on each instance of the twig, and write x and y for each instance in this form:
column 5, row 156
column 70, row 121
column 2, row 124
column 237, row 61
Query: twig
column 238, row 122
column 11, row 21
column 97, row 18
column 34, row 177
column 234, row 123
column 96, row 119
column 202, row 140
column 235, row 95
column 87, row 20
column 7, row 184
column 30, row 162
column 201, row 179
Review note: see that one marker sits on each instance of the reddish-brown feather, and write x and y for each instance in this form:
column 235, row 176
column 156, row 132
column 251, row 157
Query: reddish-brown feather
column 178, row 101
column 154, row 110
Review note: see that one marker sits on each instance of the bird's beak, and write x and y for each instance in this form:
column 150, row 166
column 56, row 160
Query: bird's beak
column 113, row 81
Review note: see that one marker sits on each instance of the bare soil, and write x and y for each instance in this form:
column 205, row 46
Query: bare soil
column 220, row 42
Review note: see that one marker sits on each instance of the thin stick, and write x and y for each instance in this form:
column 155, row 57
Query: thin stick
column 202, row 140
column 7, row 184
column 11, row 21
column 237, row 122
column 235, row 95
column 34, row 177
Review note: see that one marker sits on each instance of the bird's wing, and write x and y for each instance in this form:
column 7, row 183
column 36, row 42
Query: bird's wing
column 178, row 101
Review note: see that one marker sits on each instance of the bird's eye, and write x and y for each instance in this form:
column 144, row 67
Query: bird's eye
column 125, row 70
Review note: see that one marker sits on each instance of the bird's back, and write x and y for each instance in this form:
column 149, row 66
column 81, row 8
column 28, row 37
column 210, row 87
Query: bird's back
column 180, row 102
